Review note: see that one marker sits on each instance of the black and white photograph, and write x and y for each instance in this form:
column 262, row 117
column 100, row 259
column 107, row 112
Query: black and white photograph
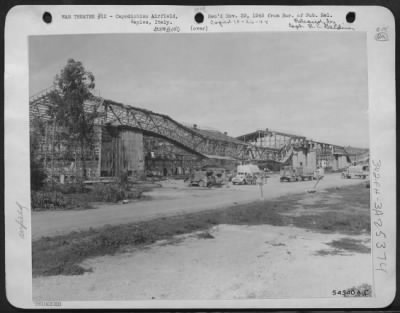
column 200, row 166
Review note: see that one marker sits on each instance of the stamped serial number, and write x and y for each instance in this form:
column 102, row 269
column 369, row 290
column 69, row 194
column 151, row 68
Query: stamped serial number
column 351, row 292
column 48, row 303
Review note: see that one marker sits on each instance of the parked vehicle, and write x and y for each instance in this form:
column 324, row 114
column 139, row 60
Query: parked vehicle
column 208, row 177
column 217, row 176
column 291, row 174
column 246, row 175
column 305, row 173
column 244, row 179
column 198, row 178
column 356, row 171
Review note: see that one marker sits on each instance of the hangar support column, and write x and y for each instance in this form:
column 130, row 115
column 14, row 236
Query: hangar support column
column 122, row 152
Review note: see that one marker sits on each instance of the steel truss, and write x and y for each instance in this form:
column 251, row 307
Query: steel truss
column 150, row 123
column 153, row 124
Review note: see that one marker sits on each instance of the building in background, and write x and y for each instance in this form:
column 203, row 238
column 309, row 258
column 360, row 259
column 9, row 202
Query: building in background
column 139, row 142
column 299, row 151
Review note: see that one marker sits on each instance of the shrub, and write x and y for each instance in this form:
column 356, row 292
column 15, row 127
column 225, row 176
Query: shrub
column 113, row 193
column 124, row 180
column 48, row 200
column 107, row 193
column 69, row 188
column 55, row 200
column 38, row 175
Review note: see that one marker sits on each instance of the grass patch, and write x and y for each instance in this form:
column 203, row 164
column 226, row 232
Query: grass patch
column 350, row 244
column 76, row 197
column 113, row 193
column 55, row 200
column 340, row 216
column 205, row 235
column 330, row 252
column 335, row 222
column 62, row 255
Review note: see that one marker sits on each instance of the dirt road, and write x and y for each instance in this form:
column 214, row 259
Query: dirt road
column 237, row 262
column 172, row 199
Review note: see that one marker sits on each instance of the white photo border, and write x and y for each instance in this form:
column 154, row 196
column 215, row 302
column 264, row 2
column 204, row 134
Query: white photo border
column 25, row 21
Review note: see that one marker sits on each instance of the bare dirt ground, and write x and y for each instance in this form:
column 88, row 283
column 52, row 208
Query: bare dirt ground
column 303, row 245
column 233, row 262
column 172, row 199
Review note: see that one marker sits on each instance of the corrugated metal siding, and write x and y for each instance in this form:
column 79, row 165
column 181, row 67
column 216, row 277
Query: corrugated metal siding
column 122, row 152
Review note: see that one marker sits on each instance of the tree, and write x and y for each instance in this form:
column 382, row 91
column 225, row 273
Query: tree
column 38, row 173
column 73, row 88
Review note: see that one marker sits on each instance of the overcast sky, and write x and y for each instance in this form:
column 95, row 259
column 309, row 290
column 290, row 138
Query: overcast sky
column 307, row 83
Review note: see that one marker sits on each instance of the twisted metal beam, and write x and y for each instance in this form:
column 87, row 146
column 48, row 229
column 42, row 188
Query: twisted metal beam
column 204, row 143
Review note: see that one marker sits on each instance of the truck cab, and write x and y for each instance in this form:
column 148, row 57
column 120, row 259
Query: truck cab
column 289, row 174
column 356, row 171
column 243, row 178
column 246, row 174
column 198, row 178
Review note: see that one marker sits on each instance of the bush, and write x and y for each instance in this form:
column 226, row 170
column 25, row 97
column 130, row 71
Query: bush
column 107, row 193
column 113, row 193
column 55, row 200
column 38, row 175
column 124, row 180
column 48, row 200
column 69, row 188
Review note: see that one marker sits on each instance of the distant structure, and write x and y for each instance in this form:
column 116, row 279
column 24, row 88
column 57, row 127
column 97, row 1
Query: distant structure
column 358, row 155
column 141, row 142
column 299, row 151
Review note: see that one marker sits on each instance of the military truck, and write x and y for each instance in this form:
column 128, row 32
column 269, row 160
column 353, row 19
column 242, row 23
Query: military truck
column 198, row 178
column 246, row 174
column 356, row 171
column 208, row 177
column 291, row 174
